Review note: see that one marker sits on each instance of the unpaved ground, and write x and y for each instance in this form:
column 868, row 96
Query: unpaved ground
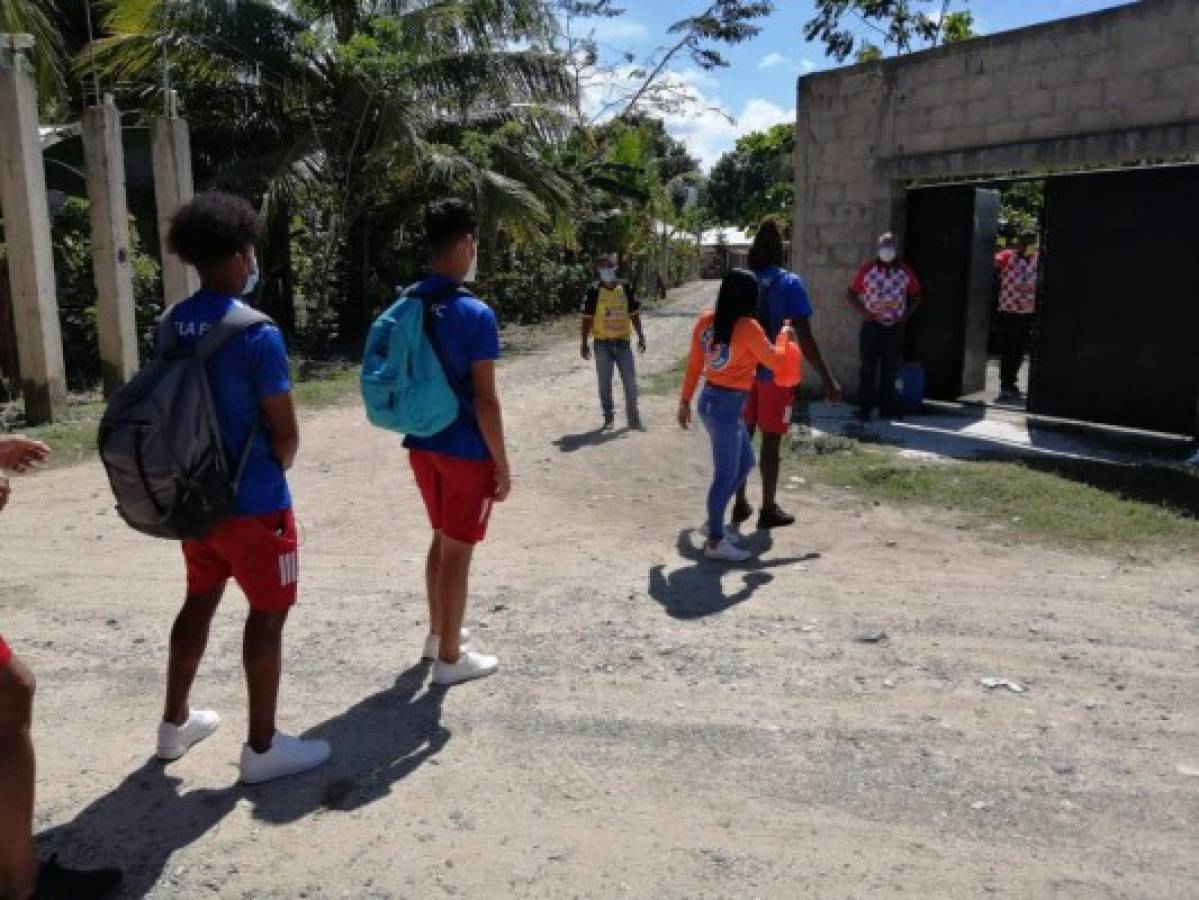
column 660, row 727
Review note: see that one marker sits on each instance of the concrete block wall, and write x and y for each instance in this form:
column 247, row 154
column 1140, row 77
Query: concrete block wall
column 1108, row 87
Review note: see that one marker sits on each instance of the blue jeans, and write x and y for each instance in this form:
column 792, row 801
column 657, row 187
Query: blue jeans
column 732, row 450
column 610, row 355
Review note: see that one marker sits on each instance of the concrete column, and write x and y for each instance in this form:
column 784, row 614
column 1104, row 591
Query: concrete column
column 171, row 148
column 27, row 233
column 111, row 264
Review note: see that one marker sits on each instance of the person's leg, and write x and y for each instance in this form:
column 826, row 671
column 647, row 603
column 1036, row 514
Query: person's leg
column 721, row 414
column 770, row 462
column 432, row 576
column 189, row 638
column 1009, row 352
column 604, row 365
column 742, row 509
column 628, row 379
column 453, row 578
column 262, row 657
column 891, row 358
column 18, row 863
column 1024, row 343
column 868, row 353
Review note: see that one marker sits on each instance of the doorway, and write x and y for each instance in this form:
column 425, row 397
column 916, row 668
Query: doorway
column 1114, row 336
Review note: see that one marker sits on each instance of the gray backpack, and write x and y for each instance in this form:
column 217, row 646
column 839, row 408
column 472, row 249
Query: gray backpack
column 160, row 440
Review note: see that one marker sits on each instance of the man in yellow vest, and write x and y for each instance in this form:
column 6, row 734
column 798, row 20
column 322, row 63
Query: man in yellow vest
column 611, row 314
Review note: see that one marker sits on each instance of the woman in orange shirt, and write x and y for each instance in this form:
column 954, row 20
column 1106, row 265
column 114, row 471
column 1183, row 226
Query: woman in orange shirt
column 727, row 346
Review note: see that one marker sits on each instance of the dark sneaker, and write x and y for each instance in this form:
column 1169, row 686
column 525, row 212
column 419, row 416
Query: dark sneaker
column 636, row 425
column 774, row 518
column 741, row 512
column 56, row 882
column 609, row 423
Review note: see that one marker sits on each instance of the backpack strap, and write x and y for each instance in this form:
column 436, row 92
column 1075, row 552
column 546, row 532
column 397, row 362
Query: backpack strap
column 428, row 301
column 235, row 322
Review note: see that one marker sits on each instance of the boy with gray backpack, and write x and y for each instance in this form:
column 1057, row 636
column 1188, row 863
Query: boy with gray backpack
column 196, row 447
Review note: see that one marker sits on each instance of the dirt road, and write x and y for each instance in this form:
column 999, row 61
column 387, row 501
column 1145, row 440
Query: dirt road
column 661, row 727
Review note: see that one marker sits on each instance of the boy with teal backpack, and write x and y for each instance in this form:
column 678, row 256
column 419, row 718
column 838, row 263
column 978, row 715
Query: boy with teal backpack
column 429, row 372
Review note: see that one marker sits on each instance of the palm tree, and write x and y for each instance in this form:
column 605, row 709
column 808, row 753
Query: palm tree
column 368, row 108
column 39, row 19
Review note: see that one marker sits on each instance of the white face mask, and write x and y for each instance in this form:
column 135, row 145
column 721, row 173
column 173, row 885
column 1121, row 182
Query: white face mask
column 887, row 254
column 607, row 275
column 473, row 271
column 251, row 281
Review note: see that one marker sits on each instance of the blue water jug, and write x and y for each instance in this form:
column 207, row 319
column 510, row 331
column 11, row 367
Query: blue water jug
column 911, row 387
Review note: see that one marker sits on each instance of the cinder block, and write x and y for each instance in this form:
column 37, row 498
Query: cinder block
column 1102, row 119
column 1075, row 97
column 1060, row 71
column 1128, row 91
column 1179, row 83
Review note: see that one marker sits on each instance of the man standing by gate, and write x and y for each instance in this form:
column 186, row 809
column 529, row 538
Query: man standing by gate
column 1017, row 270
column 611, row 314
column 885, row 292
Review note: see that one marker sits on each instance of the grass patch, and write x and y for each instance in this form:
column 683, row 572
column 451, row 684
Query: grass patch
column 321, row 384
column 316, row 385
column 666, row 382
column 1072, row 503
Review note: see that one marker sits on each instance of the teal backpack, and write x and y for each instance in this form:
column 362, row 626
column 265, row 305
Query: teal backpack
column 404, row 382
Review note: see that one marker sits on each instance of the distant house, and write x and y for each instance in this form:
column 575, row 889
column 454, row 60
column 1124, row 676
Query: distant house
column 722, row 249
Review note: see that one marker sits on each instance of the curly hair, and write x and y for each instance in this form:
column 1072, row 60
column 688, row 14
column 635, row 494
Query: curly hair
column 768, row 248
column 211, row 227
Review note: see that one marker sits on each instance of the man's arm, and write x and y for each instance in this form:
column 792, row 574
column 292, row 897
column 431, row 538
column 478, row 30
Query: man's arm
column 636, row 320
column 589, row 304
column 280, row 413
column 491, row 423
column 811, row 351
column 584, row 334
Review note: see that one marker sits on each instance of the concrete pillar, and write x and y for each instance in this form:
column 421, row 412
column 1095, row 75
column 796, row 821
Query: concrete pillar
column 112, row 267
column 171, row 148
column 27, row 233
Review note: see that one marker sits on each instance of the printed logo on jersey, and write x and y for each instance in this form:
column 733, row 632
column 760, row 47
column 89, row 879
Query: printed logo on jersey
column 716, row 356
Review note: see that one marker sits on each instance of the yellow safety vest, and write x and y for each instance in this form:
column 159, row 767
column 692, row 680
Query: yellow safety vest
column 611, row 321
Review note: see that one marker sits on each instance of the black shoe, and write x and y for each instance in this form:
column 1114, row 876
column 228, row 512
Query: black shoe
column 636, row 425
column 741, row 513
column 609, row 423
column 774, row 518
column 56, row 882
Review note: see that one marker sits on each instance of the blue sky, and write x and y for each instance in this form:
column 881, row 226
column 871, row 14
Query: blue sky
column 758, row 88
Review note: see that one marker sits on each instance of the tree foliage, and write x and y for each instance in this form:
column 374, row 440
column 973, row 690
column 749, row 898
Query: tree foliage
column 755, row 179
column 902, row 25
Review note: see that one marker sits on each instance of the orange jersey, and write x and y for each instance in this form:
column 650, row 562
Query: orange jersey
column 731, row 366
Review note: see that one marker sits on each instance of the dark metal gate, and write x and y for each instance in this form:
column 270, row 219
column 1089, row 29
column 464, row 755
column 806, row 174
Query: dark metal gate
column 1117, row 338
column 950, row 243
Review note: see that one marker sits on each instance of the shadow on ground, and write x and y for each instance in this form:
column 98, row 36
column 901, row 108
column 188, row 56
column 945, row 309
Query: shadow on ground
column 1175, row 489
column 697, row 590
column 143, row 821
column 569, row 443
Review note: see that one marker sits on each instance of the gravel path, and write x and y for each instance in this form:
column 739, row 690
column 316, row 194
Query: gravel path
column 660, row 727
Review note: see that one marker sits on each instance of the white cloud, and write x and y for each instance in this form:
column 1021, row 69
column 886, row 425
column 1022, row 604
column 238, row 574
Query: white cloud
column 771, row 60
column 807, row 65
column 708, row 134
column 618, row 29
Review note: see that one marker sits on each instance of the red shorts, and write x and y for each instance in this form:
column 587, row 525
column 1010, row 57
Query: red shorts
column 5, row 653
column 458, row 493
column 769, row 407
column 259, row 552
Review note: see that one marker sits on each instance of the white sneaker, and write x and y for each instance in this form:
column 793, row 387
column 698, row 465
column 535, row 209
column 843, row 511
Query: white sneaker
column 726, row 551
column 470, row 665
column 288, row 756
column 175, row 740
column 433, row 643
column 730, row 535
